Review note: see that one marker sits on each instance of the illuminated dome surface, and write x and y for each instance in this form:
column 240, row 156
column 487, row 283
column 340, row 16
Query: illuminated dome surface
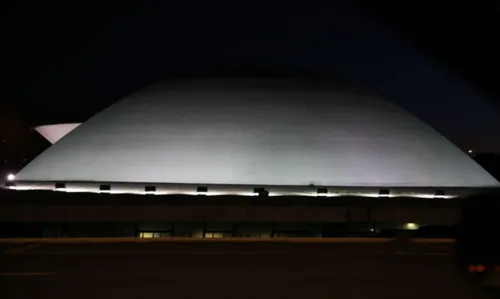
column 256, row 132
column 55, row 132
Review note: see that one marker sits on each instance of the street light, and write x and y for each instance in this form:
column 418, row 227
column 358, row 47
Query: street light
column 11, row 177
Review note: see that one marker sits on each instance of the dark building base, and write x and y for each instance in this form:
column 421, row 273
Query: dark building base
column 60, row 214
column 220, row 230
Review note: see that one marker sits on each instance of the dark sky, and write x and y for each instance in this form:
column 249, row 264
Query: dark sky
column 64, row 62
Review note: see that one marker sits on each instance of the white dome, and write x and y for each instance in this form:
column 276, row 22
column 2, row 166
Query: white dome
column 55, row 132
column 256, row 132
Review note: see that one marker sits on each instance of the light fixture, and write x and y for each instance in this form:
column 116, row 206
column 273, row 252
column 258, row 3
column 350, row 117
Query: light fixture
column 10, row 185
column 411, row 226
column 60, row 186
column 201, row 190
column 11, row 177
column 439, row 194
column 260, row 192
column 150, row 189
column 469, row 151
column 105, row 188
column 322, row 192
column 383, row 193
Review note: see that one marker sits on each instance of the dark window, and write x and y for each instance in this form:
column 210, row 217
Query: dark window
column 104, row 188
column 261, row 191
column 60, row 186
column 322, row 191
column 383, row 192
column 150, row 188
column 202, row 190
column 439, row 193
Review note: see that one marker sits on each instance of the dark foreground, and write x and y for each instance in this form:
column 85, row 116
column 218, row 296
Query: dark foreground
column 230, row 270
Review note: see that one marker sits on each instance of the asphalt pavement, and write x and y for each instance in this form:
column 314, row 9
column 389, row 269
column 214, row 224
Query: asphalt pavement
column 230, row 270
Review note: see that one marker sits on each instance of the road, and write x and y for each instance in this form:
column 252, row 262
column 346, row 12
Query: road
column 229, row 270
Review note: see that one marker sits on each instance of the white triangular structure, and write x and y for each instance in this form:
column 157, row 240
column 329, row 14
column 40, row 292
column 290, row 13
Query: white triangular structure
column 55, row 132
column 256, row 132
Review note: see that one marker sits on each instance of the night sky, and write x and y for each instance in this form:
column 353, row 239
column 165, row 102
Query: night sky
column 65, row 62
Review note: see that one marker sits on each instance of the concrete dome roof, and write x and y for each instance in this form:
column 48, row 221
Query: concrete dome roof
column 248, row 131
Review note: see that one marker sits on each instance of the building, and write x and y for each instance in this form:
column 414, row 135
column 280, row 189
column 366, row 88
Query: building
column 235, row 156
column 55, row 132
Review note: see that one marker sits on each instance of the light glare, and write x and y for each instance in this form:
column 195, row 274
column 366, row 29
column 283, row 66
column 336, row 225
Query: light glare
column 411, row 226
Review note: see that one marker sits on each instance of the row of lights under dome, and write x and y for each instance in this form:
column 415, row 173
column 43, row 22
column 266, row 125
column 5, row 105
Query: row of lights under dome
column 262, row 192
